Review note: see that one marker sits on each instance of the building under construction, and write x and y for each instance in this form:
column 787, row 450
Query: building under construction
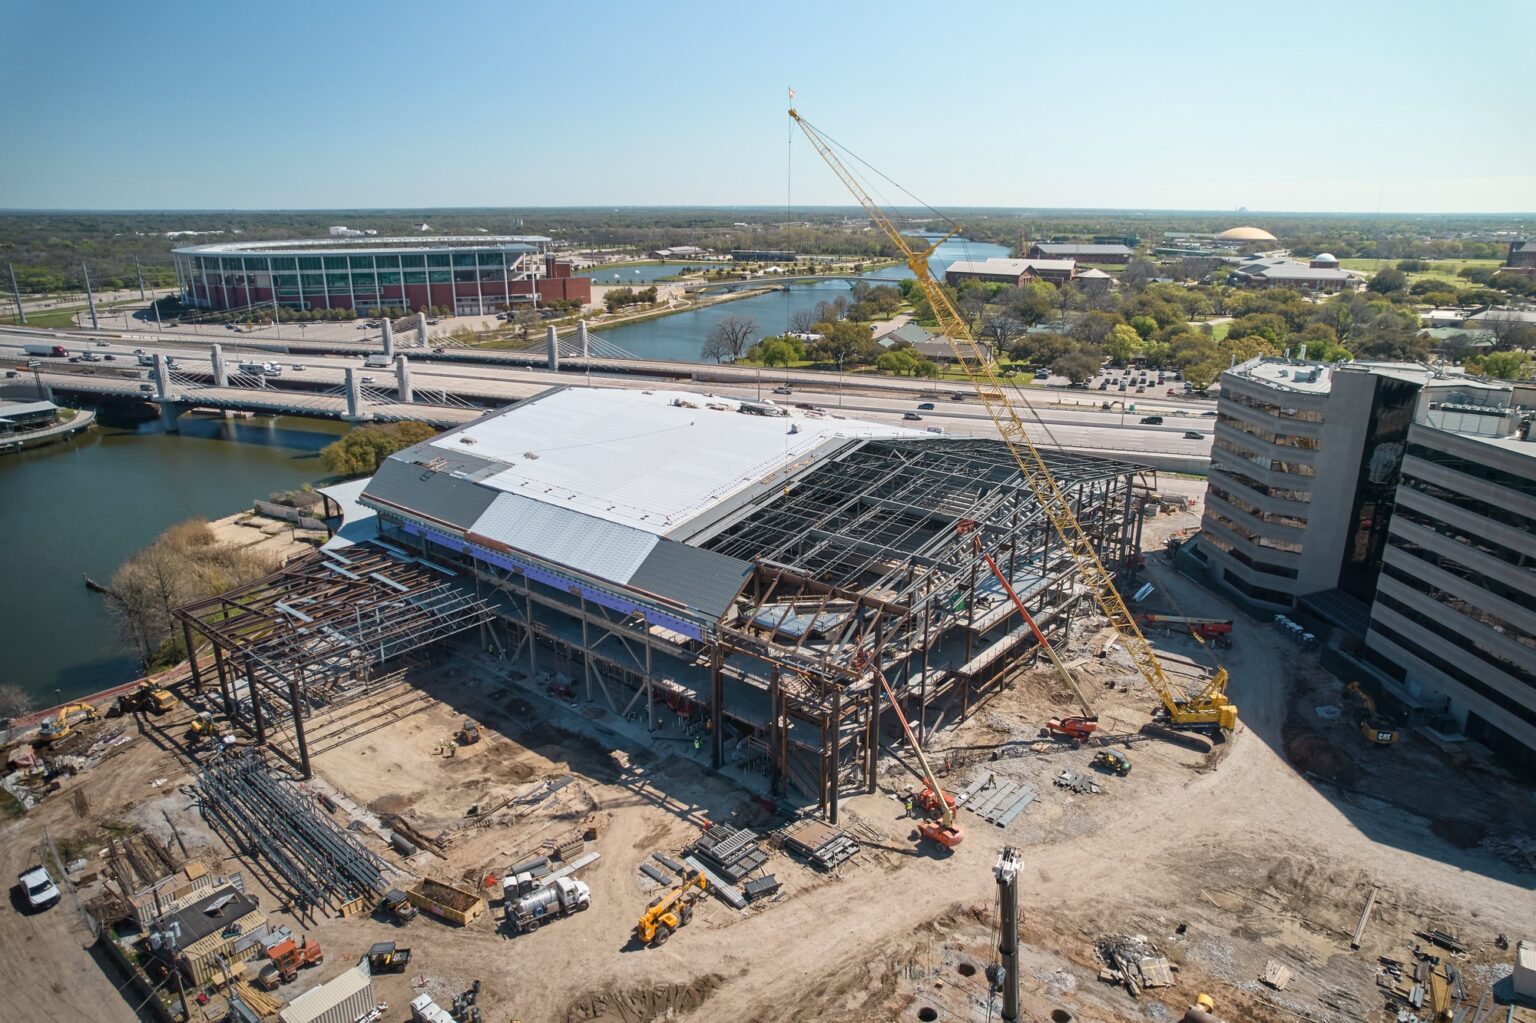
column 730, row 569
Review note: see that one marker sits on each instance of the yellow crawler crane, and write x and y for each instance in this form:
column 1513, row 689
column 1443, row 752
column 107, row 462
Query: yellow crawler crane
column 1202, row 707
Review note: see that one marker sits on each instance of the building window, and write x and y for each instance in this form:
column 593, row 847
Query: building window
column 1242, row 556
column 1483, row 509
column 1472, row 682
column 1462, row 536
column 1242, row 585
column 1467, row 467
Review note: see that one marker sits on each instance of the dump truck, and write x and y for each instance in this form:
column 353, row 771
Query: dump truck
column 562, row 898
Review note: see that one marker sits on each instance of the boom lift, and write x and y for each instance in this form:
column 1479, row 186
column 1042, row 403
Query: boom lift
column 1217, row 630
column 1205, row 707
column 944, row 831
column 1075, row 728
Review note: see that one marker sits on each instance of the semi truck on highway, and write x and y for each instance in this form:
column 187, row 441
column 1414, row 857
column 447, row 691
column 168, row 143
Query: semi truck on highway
column 376, row 362
column 52, row 351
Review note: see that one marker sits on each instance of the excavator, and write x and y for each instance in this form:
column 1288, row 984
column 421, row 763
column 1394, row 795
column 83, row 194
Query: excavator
column 62, row 725
column 669, row 912
column 1200, row 706
column 1375, row 727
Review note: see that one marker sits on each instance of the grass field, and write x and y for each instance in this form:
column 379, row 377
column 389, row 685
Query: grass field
column 46, row 318
column 1440, row 269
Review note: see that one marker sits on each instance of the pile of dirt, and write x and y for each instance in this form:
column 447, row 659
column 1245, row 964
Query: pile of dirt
column 643, row 1004
column 1312, row 754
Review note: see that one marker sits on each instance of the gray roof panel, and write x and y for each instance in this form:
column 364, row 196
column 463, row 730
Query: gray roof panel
column 602, row 549
column 433, row 495
column 702, row 580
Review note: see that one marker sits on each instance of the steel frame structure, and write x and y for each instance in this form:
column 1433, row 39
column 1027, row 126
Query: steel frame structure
column 314, row 633
column 859, row 558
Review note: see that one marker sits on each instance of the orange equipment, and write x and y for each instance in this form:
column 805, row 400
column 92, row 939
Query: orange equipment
column 944, row 831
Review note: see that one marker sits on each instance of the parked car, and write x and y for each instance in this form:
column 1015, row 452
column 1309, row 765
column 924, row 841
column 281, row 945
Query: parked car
column 926, row 406
column 1193, row 435
column 1104, row 385
column 1152, row 420
column 37, row 888
column 912, row 416
column 1141, row 390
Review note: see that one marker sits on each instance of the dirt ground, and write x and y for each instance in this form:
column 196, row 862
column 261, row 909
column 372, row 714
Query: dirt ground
column 1223, row 861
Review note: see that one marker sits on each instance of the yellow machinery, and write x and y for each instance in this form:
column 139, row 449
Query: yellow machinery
column 204, row 726
column 1203, row 707
column 669, row 912
column 148, row 697
column 62, row 725
column 1374, row 726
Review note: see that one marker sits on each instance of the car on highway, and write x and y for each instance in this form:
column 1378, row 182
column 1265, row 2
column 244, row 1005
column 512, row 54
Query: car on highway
column 1152, row 420
column 957, row 396
column 926, row 406
column 37, row 888
column 74, row 358
column 1193, row 435
column 297, row 367
column 11, row 374
column 367, row 380
column 913, row 416
column 138, row 351
column 103, row 343
column 804, row 405
column 782, row 389
column 1209, row 414
column 110, row 357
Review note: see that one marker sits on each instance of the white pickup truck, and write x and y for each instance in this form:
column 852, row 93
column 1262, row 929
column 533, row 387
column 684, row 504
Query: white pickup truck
column 38, row 889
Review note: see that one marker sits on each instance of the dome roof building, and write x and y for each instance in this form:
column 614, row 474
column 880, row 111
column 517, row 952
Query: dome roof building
column 1325, row 261
column 1246, row 234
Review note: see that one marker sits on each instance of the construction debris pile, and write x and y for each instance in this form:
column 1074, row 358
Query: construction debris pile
column 314, row 862
column 1428, row 985
column 1133, row 961
column 1517, row 850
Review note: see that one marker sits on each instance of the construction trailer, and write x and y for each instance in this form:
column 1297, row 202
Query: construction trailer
column 344, row 999
column 728, row 579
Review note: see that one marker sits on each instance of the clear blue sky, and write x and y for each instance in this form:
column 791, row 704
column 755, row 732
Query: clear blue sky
column 1399, row 106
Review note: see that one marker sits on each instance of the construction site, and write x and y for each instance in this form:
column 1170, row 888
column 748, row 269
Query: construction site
column 632, row 706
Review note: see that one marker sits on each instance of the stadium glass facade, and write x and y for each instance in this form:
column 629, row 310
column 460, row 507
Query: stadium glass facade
column 471, row 276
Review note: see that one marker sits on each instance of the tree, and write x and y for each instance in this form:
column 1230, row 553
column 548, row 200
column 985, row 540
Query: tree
column 1387, row 281
column 1030, row 304
column 1124, row 344
column 1145, row 325
column 1501, row 365
column 1002, row 328
column 525, row 319
column 900, row 361
column 733, row 334
column 1507, row 328
column 802, row 321
column 1093, row 327
column 779, row 351
column 845, row 343
column 362, row 449
column 1078, row 366
column 714, row 348
column 14, row 702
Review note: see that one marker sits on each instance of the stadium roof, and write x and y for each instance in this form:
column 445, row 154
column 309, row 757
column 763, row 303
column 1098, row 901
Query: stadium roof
column 411, row 243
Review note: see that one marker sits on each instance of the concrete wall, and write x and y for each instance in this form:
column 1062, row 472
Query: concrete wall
column 1347, row 418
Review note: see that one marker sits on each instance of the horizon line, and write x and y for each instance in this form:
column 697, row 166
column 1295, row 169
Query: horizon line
column 33, row 210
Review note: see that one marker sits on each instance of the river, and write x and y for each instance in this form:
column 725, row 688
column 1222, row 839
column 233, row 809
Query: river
column 84, row 506
column 681, row 336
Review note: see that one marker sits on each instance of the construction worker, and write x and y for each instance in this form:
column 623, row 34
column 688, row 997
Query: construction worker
column 910, row 806
column 698, row 742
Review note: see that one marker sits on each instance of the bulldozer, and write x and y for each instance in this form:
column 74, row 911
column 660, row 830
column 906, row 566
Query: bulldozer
column 148, row 697
column 669, row 912
column 62, row 725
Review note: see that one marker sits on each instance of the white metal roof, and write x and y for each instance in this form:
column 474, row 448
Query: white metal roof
column 638, row 459
column 607, row 550
column 999, row 265
column 316, row 1002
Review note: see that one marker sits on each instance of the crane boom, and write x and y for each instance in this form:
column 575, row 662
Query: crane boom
column 1206, row 707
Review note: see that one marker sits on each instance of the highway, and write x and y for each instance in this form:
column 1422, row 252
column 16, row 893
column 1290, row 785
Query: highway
column 1071, row 419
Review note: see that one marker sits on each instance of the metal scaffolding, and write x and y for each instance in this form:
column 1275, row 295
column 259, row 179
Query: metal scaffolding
column 314, row 634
